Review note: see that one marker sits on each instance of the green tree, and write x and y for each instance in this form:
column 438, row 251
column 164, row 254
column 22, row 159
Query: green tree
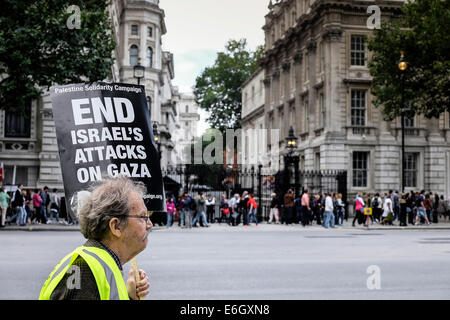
column 422, row 32
column 218, row 88
column 41, row 45
column 205, row 174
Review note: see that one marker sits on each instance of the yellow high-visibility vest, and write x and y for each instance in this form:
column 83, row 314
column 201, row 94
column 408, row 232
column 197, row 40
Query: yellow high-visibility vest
column 109, row 279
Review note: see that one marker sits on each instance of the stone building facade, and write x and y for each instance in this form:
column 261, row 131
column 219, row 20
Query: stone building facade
column 252, row 120
column 317, row 81
column 28, row 147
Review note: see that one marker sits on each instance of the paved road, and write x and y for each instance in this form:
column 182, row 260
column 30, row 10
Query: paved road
column 264, row 262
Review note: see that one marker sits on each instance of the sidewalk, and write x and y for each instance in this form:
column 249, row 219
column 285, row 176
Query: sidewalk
column 223, row 227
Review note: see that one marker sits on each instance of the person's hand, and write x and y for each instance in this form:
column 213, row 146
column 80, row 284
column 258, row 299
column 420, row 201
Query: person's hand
column 140, row 289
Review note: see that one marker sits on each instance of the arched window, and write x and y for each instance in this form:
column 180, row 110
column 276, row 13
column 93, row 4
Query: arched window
column 134, row 53
column 149, row 57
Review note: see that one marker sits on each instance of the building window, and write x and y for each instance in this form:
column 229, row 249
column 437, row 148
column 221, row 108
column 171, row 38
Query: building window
column 134, row 30
column 409, row 122
column 322, row 110
column 18, row 125
column 307, row 67
column 358, row 108
column 187, row 110
column 134, row 54
column 149, row 32
column 322, row 57
column 305, row 116
column 360, row 169
column 317, row 161
column 358, row 51
column 411, row 169
column 26, row 175
column 149, row 57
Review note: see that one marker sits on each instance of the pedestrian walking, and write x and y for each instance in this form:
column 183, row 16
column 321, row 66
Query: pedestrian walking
column 403, row 213
column 201, row 209
column 188, row 205
column 54, row 206
column 441, row 209
column 45, row 200
column 428, row 203
column 4, row 204
column 328, row 216
column 234, row 209
column 387, row 215
column 18, row 205
column 410, row 207
column 421, row 209
column 252, row 205
column 116, row 224
column 27, row 205
column 315, row 205
column 274, row 209
column 377, row 207
column 359, row 208
column 288, row 206
column 243, row 208
column 210, row 204
column 170, row 212
column 395, row 204
column 306, row 209
column 340, row 210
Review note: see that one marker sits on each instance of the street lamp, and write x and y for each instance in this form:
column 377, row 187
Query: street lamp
column 291, row 141
column 403, row 66
column 157, row 137
column 291, row 145
column 138, row 71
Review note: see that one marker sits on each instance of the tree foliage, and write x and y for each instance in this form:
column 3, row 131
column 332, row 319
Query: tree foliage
column 38, row 48
column 423, row 33
column 218, row 88
column 205, row 174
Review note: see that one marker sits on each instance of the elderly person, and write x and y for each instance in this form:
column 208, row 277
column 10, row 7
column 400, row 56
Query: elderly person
column 116, row 223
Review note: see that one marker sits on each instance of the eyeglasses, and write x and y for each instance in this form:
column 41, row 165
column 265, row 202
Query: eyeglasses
column 145, row 217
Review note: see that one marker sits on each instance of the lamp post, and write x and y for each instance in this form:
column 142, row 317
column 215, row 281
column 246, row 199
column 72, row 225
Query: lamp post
column 139, row 71
column 157, row 138
column 403, row 66
column 291, row 145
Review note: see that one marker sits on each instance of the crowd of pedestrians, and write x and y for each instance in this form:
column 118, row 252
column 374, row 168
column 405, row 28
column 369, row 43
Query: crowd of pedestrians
column 325, row 209
column 25, row 206
column 199, row 211
column 413, row 208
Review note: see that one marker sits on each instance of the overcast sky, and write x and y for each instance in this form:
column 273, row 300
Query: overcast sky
column 198, row 29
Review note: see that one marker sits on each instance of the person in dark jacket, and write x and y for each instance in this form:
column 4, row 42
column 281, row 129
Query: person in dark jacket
column 18, row 205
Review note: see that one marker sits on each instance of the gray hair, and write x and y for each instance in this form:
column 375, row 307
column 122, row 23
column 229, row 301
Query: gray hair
column 109, row 199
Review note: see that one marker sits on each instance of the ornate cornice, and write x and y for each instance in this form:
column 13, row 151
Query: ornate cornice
column 286, row 65
column 298, row 56
column 332, row 34
column 266, row 82
column 311, row 46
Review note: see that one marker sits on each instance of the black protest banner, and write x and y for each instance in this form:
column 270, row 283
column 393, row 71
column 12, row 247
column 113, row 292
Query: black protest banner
column 103, row 130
